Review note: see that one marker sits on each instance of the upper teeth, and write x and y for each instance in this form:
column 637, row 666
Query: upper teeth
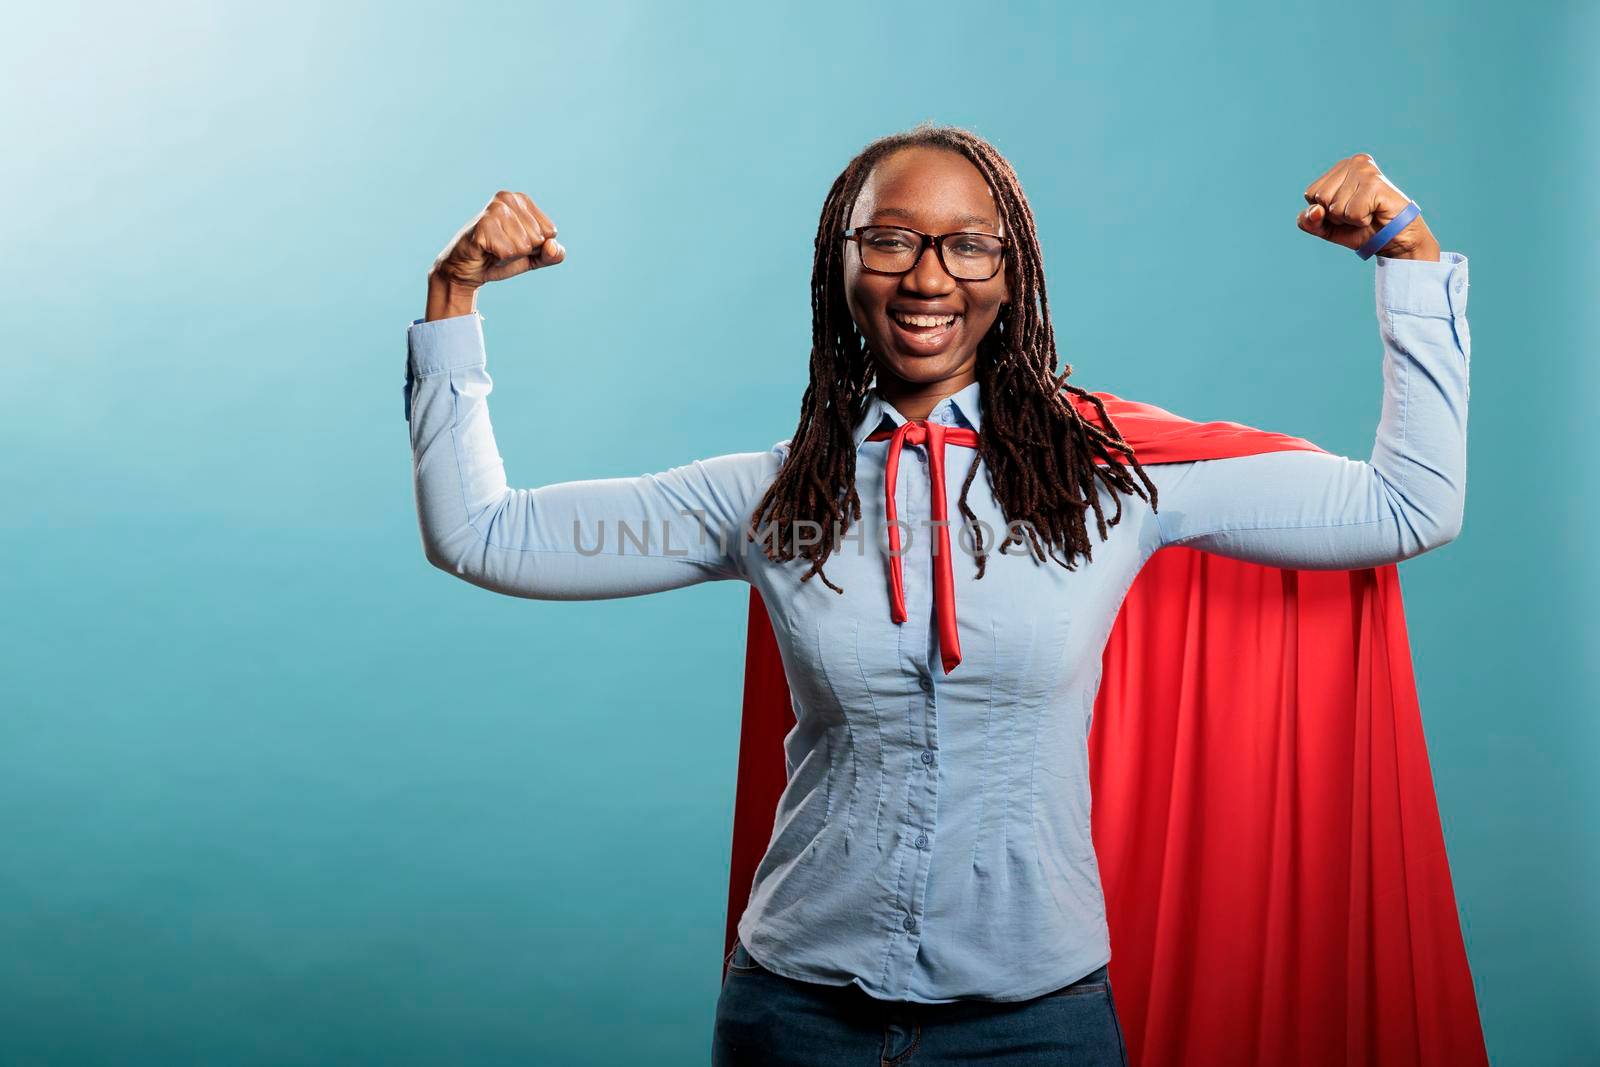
column 924, row 320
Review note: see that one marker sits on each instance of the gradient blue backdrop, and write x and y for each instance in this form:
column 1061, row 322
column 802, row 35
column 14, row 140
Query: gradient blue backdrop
column 274, row 791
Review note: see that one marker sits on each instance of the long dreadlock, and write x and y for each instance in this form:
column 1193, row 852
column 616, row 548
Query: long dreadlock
column 1038, row 449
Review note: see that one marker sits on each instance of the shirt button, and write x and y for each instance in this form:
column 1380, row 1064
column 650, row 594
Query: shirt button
column 909, row 923
column 927, row 757
column 922, row 840
column 927, row 685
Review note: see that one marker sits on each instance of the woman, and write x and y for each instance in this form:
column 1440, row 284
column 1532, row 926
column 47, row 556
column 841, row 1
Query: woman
column 930, row 888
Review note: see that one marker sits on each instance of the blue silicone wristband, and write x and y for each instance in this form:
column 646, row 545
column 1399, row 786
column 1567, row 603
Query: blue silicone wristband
column 1387, row 234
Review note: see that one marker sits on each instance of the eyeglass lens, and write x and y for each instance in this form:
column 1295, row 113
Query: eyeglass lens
column 967, row 256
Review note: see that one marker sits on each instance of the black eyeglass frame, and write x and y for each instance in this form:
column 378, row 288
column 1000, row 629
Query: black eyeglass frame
column 924, row 240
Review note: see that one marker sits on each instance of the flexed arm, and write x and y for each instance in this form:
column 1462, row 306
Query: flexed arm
column 1320, row 511
column 576, row 540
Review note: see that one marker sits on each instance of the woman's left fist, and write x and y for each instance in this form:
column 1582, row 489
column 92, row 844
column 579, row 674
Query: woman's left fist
column 1353, row 201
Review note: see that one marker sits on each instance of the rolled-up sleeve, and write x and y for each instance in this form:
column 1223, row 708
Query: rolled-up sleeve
column 575, row 540
column 1315, row 510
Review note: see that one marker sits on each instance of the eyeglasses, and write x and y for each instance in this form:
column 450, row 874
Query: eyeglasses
column 968, row 257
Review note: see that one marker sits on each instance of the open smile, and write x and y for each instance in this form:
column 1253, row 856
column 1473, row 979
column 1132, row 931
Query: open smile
column 924, row 335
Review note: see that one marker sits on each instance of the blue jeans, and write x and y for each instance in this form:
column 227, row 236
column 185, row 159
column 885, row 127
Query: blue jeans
column 764, row 1018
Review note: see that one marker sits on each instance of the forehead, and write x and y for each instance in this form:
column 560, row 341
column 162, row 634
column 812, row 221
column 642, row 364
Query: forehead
column 935, row 190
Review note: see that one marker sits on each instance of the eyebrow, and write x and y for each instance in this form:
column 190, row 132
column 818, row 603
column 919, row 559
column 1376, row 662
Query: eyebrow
column 902, row 213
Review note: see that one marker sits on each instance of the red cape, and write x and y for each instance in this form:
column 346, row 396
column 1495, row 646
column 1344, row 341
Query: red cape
column 1276, row 883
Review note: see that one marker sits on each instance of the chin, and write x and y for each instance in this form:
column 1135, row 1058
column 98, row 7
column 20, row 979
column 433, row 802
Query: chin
column 924, row 369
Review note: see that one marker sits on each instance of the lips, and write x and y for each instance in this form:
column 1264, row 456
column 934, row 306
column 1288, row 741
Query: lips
column 925, row 340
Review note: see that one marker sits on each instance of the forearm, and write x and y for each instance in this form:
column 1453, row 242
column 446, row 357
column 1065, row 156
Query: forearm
column 1420, row 451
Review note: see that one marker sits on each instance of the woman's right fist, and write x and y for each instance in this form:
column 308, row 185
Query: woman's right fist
column 510, row 236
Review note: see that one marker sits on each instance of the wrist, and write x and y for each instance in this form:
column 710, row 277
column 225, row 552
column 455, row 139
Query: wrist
column 1406, row 245
column 447, row 299
column 1431, row 255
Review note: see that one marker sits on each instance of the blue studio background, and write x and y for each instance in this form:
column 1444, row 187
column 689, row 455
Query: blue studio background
column 275, row 791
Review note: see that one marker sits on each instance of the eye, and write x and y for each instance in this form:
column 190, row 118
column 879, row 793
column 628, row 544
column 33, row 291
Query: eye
column 888, row 242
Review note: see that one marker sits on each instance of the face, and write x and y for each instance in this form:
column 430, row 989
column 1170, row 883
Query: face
column 934, row 190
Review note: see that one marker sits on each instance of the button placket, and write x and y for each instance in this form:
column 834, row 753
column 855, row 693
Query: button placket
column 924, row 797
column 917, row 893
column 913, row 499
column 925, row 804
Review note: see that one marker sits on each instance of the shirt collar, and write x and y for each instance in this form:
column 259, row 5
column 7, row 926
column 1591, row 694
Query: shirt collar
column 964, row 408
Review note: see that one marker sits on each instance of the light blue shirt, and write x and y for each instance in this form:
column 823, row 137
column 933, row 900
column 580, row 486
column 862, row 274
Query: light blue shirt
column 933, row 841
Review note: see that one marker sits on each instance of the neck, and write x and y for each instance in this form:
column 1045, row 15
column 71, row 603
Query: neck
column 916, row 400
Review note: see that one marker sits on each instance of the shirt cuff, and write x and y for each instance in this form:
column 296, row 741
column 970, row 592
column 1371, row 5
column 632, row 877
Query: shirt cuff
column 1423, row 287
column 445, row 344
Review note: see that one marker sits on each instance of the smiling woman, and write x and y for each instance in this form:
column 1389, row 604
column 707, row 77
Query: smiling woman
column 925, row 317
column 928, row 885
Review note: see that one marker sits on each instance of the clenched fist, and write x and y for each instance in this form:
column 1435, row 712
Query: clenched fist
column 1353, row 201
column 510, row 236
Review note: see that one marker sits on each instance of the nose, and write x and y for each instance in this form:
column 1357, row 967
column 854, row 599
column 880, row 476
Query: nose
column 929, row 275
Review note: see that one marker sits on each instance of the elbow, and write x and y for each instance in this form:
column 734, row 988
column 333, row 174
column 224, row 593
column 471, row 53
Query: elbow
column 439, row 559
column 1440, row 529
column 1446, row 531
column 463, row 552
column 445, row 551
column 433, row 551
column 453, row 541
column 467, row 548
column 1424, row 519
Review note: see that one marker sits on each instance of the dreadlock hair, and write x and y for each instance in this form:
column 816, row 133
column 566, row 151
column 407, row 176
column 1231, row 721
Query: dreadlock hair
column 1039, row 451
